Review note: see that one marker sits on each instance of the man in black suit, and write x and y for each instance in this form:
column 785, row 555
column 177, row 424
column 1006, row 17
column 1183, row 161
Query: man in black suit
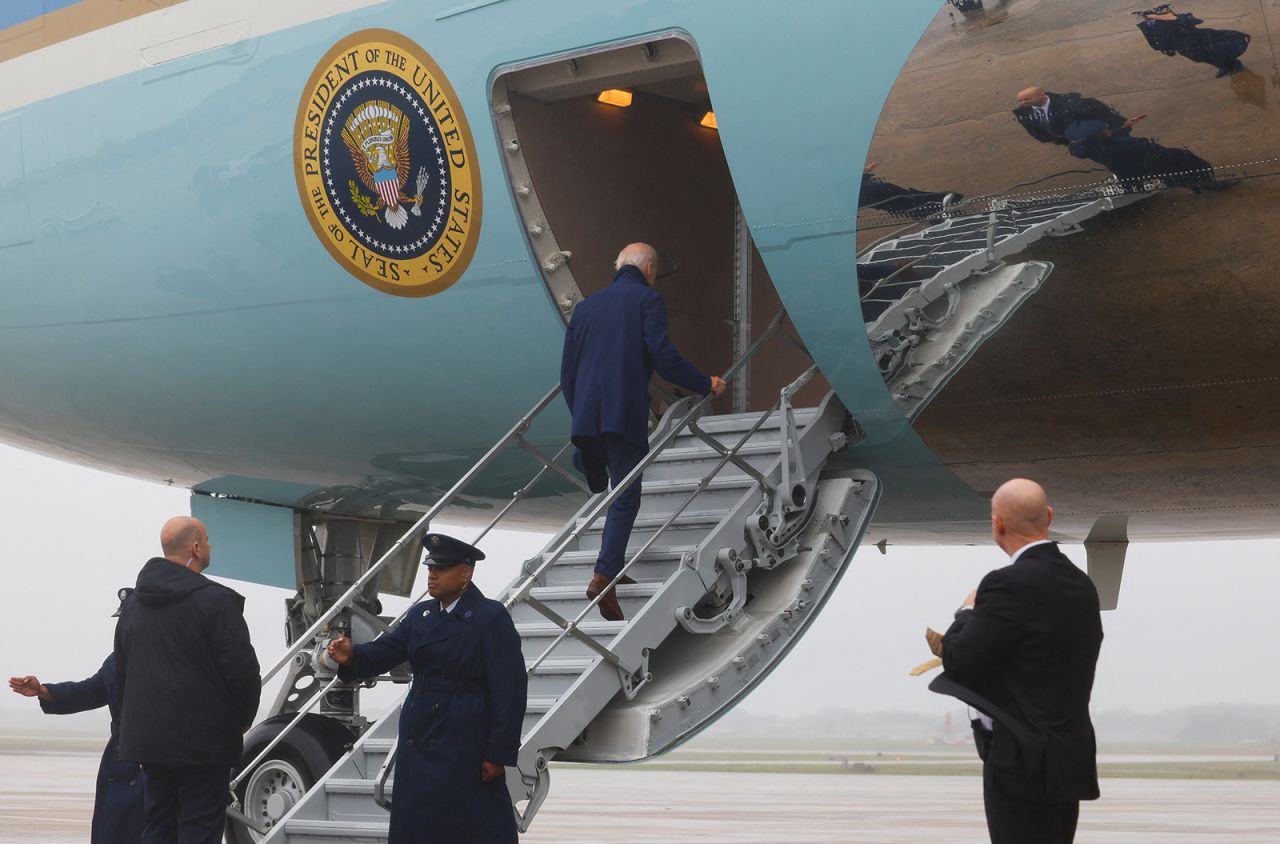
column 1047, row 115
column 1093, row 130
column 1022, row 651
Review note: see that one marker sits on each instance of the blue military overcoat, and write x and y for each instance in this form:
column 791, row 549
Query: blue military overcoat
column 466, row 706
column 117, row 804
column 615, row 341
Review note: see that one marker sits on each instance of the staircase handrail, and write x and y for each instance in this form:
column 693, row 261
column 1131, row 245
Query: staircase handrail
column 304, row 640
column 570, row 627
column 521, row 592
column 727, row 456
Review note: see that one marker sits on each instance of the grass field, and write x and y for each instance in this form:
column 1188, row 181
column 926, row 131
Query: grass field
column 784, row 755
column 1130, row 760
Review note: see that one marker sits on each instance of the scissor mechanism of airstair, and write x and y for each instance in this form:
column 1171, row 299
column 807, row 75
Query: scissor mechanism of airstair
column 924, row 328
column 739, row 541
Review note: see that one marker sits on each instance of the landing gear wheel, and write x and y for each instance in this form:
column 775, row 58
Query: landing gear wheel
column 294, row 765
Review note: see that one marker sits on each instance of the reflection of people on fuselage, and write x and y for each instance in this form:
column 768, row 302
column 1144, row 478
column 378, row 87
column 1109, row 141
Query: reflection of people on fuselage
column 1174, row 33
column 1093, row 130
column 1046, row 114
column 895, row 199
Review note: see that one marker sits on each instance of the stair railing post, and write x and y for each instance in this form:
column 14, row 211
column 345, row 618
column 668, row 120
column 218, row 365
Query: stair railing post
column 304, row 640
column 384, row 773
column 727, row 456
column 598, row 509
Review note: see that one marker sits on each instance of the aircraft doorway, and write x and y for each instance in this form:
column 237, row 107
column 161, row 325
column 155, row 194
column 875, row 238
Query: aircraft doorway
column 620, row 145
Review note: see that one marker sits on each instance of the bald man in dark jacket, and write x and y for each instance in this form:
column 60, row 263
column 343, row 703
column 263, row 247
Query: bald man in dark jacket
column 187, row 676
column 1022, row 651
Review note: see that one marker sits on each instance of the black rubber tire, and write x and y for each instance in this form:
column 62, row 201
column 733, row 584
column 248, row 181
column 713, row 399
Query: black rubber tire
column 310, row 749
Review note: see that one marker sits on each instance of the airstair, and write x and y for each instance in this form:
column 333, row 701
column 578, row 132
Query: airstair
column 740, row 540
column 952, row 287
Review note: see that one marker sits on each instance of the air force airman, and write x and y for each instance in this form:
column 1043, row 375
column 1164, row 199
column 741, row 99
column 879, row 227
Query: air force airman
column 460, row 724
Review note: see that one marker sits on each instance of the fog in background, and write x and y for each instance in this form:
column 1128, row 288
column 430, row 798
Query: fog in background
column 1195, row 625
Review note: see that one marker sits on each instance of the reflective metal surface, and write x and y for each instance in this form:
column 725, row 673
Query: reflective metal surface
column 1144, row 375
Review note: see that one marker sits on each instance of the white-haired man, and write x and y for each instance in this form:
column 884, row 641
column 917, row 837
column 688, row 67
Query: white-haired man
column 615, row 341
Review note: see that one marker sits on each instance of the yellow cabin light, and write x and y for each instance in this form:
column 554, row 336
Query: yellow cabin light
column 615, row 97
column 709, row 120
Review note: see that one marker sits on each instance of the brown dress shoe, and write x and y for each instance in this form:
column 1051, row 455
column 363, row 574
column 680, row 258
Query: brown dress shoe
column 609, row 607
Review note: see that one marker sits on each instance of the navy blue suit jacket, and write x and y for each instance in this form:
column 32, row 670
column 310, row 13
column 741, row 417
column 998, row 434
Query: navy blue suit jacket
column 615, row 341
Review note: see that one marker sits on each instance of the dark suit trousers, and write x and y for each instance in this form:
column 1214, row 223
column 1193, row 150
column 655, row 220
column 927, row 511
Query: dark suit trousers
column 1014, row 821
column 184, row 805
column 622, row 456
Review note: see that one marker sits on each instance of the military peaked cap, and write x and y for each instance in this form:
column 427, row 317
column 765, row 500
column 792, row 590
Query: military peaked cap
column 444, row 551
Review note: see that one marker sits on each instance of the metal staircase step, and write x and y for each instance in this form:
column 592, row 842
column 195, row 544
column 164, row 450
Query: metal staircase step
column 698, row 450
column 571, row 599
column 547, row 594
column 351, row 800
column 688, row 519
column 689, row 526
column 596, row 629
column 555, row 675
column 560, row 666
column 656, row 554
column 536, row 637
column 574, row 568
column 661, row 497
column 688, row 485
column 540, row 704
column 308, row 831
column 377, row 747
column 741, row 422
column 353, row 786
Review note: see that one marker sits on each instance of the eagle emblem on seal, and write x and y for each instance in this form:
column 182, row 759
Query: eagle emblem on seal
column 377, row 136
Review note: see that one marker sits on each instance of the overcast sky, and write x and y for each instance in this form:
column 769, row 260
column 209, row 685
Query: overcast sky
column 1196, row 622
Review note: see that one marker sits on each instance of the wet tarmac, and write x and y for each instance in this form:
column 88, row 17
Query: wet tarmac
column 50, row 798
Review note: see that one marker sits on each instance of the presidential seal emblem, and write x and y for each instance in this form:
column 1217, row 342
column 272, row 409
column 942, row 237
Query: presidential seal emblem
column 386, row 166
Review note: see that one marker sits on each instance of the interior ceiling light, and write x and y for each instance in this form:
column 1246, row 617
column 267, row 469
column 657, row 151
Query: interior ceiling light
column 709, row 120
column 615, row 97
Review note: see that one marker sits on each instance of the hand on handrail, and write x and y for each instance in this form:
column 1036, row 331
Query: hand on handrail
column 718, row 386
column 339, row 650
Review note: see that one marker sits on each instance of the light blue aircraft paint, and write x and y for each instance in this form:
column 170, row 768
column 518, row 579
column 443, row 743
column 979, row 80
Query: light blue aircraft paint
column 170, row 314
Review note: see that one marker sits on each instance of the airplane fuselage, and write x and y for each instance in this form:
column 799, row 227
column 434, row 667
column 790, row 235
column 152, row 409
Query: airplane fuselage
column 176, row 307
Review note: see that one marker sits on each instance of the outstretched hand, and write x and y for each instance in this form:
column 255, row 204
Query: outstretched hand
column 29, row 686
column 339, row 650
